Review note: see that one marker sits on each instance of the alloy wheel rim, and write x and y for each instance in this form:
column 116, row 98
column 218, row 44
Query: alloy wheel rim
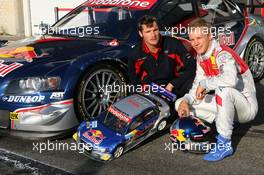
column 256, row 59
column 99, row 93
column 162, row 125
column 119, row 152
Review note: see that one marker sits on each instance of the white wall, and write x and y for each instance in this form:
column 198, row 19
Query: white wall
column 11, row 21
column 43, row 11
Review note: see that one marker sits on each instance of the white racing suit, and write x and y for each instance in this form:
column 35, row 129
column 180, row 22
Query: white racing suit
column 222, row 70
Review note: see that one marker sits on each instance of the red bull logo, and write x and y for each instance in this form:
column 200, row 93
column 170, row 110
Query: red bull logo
column 96, row 136
column 27, row 53
column 179, row 134
column 227, row 40
column 21, row 52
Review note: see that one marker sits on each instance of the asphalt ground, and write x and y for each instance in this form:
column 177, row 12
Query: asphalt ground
column 153, row 156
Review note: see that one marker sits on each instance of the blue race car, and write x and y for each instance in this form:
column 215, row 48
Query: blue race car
column 50, row 84
column 124, row 125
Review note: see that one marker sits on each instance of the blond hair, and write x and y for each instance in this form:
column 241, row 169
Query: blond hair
column 200, row 23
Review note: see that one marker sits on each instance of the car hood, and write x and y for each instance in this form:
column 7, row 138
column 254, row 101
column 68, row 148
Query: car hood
column 55, row 48
column 99, row 135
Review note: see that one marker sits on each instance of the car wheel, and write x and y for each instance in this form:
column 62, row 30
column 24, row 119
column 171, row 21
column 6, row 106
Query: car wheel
column 118, row 152
column 162, row 125
column 254, row 57
column 100, row 87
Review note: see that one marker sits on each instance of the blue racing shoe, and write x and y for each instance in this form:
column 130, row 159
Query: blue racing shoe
column 223, row 148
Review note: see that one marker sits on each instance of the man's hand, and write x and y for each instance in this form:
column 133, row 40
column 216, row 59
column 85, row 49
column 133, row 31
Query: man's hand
column 169, row 87
column 200, row 92
column 184, row 109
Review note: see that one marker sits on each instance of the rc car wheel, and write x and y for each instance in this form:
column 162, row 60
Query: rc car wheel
column 101, row 86
column 254, row 57
column 118, row 152
column 161, row 125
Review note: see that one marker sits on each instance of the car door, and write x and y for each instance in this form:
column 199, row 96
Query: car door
column 135, row 131
column 150, row 117
column 140, row 127
column 227, row 18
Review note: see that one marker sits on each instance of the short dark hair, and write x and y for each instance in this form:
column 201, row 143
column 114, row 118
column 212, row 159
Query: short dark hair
column 146, row 20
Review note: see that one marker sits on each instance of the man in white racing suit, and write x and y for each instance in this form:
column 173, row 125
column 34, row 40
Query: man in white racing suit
column 221, row 70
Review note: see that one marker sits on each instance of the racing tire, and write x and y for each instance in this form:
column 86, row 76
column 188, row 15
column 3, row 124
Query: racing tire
column 162, row 125
column 254, row 57
column 97, row 90
column 118, row 152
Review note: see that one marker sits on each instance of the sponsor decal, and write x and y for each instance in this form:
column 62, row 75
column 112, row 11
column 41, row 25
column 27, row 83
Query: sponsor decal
column 223, row 57
column 18, row 53
column 133, row 103
column 179, row 134
column 119, row 114
column 209, row 6
column 227, row 40
column 135, row 4
column 65, row 104
column 23, row 99
column 137, row 102
column 92, row 124
column 14, row 116
column 6, row 69
column 252, row 22
column 57, row 95
column 113, row 43
column 134, row 134
column 27, row 53
column 213, row 62
column 96, row 136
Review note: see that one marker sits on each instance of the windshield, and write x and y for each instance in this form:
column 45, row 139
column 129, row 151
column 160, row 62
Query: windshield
column 97, row 22
column 113, row 122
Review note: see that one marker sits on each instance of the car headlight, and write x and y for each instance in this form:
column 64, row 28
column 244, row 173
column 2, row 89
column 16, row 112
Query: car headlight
column 33, row 84
column 101, row 149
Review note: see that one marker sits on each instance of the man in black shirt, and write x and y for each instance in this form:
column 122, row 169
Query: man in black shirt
column 161, row 60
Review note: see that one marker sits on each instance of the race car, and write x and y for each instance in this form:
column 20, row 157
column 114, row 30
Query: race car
column 124, row 125
column 50, row 84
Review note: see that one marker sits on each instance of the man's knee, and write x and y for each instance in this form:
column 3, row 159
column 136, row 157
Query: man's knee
column 224, row 93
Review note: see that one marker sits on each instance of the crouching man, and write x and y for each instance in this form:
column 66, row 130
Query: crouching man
column 221, row 70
